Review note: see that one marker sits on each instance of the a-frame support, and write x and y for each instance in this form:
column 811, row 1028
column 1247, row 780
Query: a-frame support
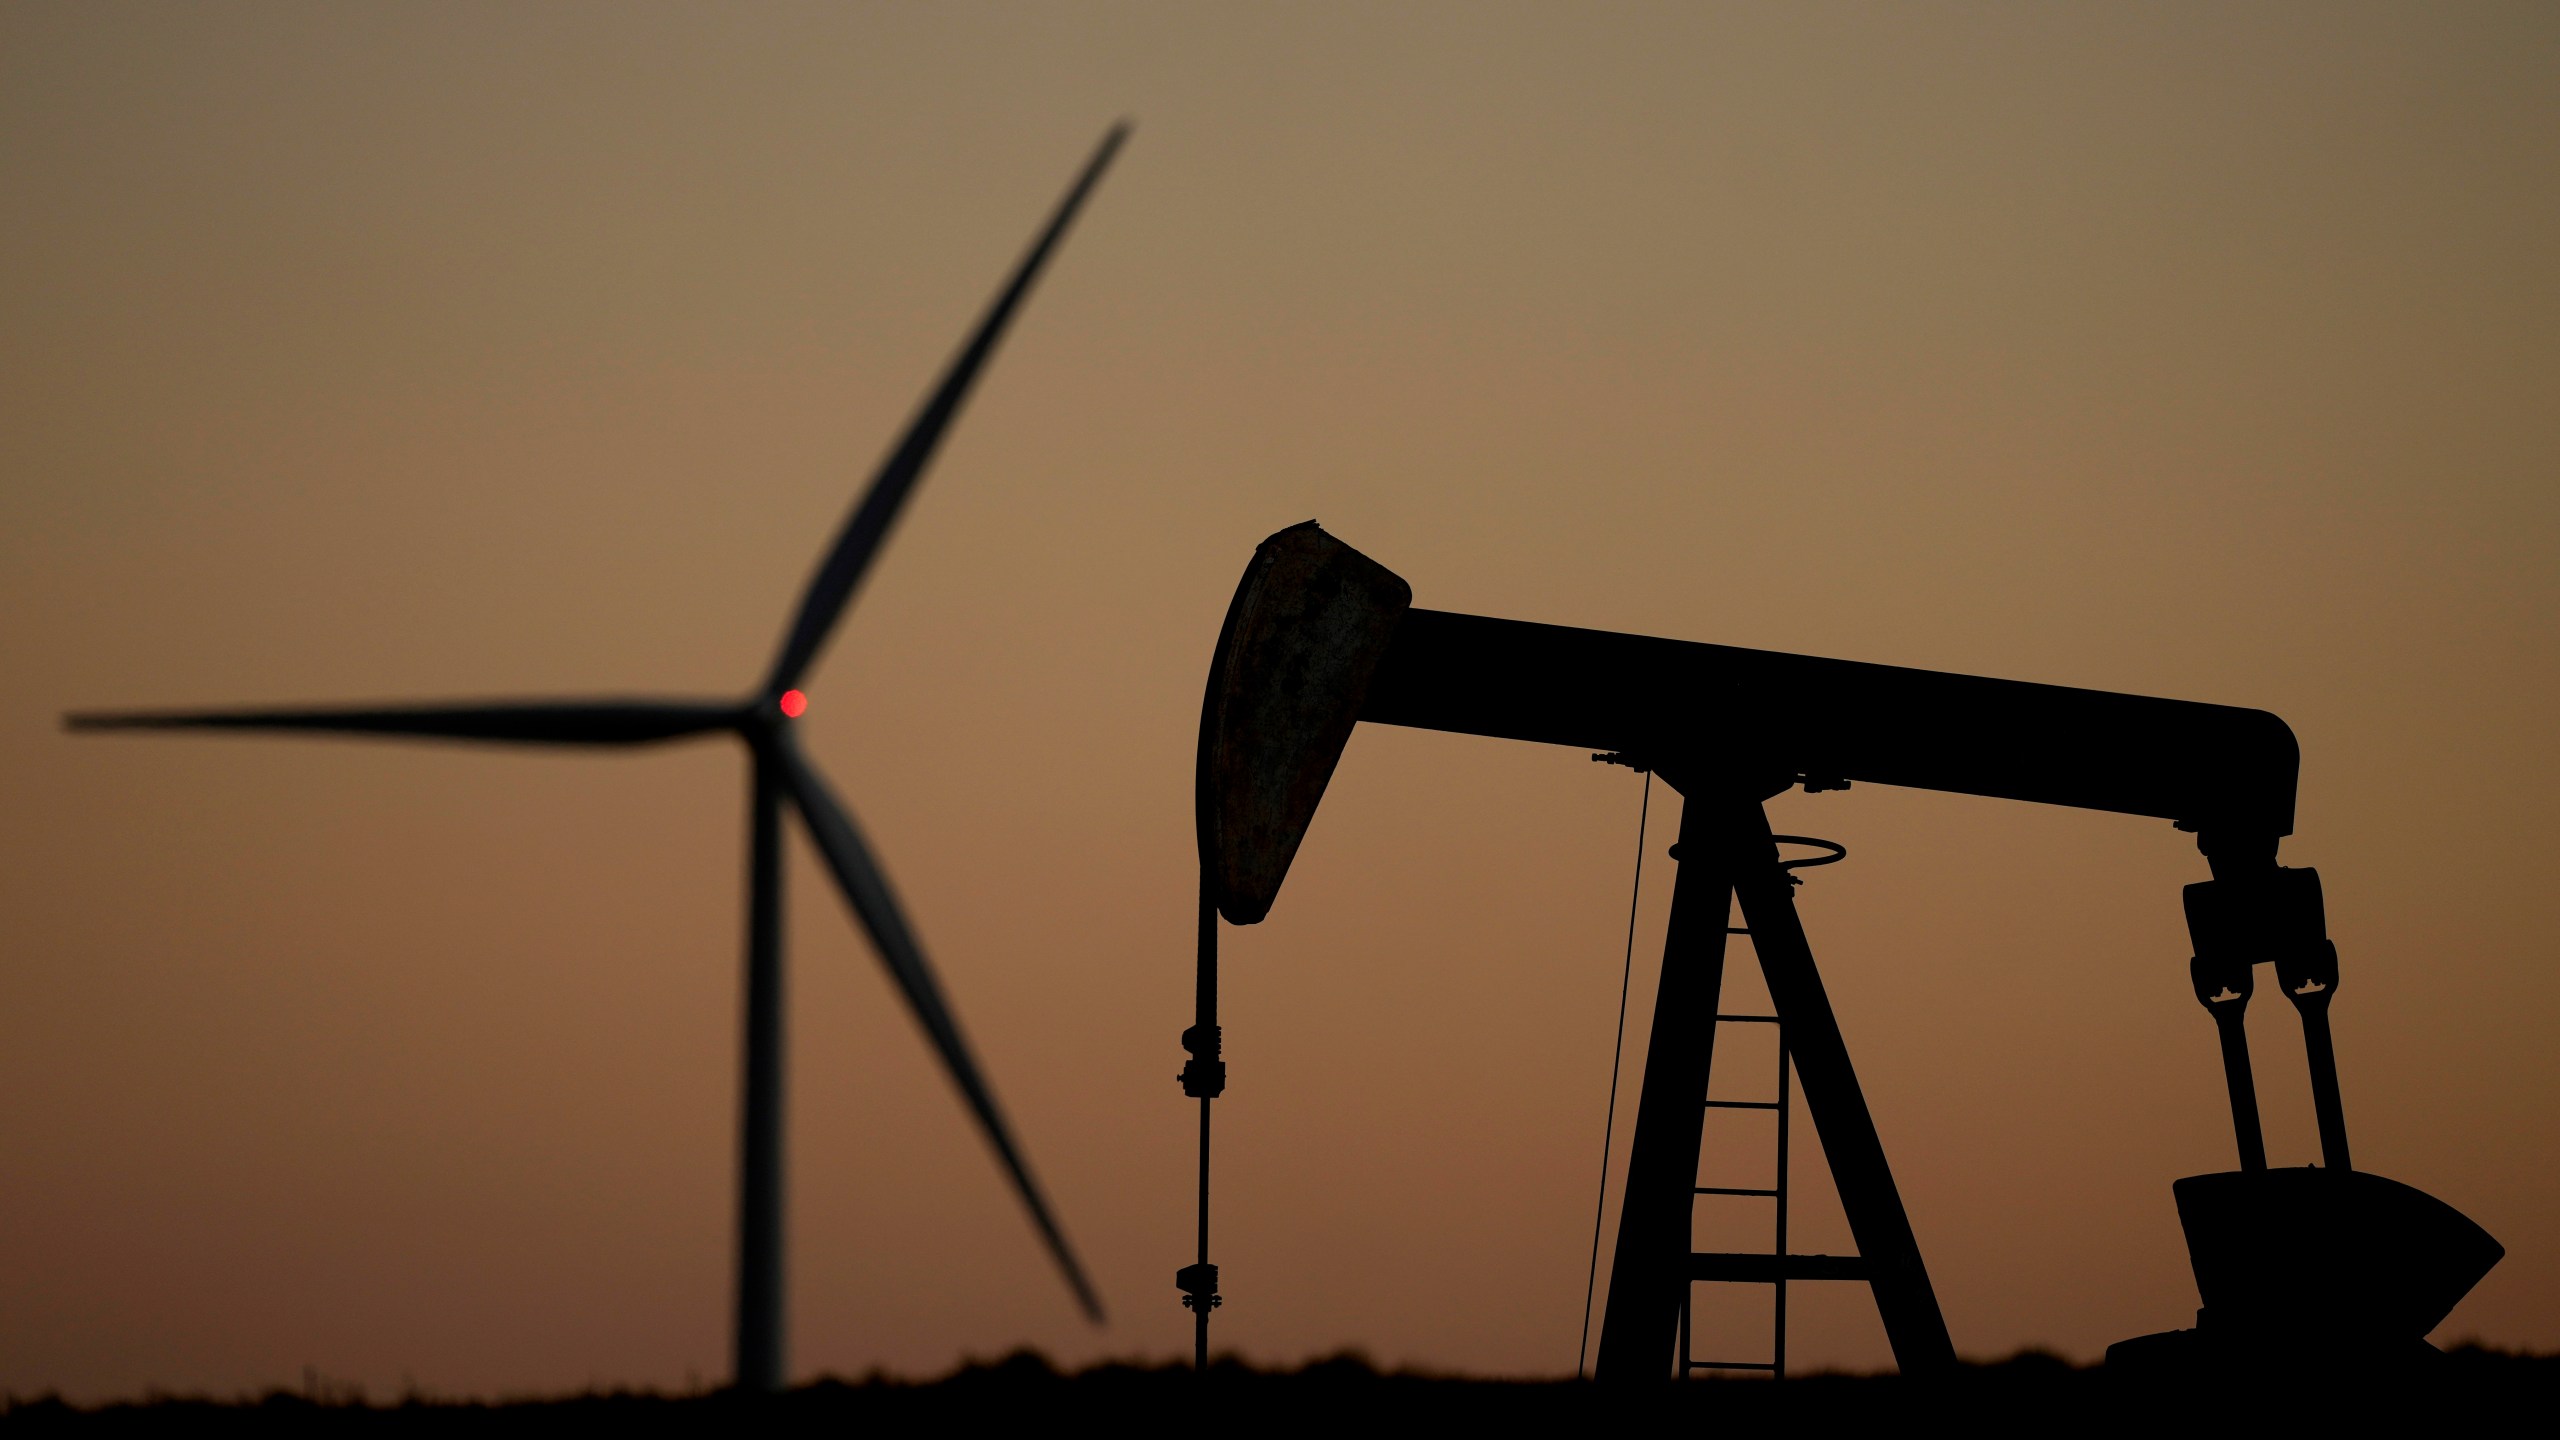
column 1726, row 854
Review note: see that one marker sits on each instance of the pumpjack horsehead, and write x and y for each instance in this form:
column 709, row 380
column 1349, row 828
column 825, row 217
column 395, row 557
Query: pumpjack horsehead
column 2322, row 1261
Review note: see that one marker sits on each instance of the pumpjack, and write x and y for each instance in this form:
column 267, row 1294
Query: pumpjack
column 2324, row 1262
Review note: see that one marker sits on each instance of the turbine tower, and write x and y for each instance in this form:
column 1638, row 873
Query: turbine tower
column 780, row 777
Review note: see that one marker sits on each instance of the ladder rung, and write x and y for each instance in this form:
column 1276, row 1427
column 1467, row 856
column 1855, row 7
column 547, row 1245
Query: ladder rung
column 1728, row 1190
column 1746, row 1019
column 1731, row 1365
column 1768, row 1269
column 1742, row 1104
column 1737, row 930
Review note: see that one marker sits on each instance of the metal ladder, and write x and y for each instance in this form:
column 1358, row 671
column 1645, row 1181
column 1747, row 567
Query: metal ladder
column 1775, row 1268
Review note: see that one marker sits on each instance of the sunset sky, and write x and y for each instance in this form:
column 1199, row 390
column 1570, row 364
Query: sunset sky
column 442, row 351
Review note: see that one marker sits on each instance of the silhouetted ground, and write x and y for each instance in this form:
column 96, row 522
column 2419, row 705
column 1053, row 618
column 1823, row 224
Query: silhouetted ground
column 2467, row 1390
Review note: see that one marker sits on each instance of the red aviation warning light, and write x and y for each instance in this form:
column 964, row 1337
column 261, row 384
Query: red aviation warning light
column 794, row 704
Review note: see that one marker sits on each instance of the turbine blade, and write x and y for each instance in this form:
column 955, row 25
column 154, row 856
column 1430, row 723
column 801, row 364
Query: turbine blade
column 523, row 722
column 867, row 891
column 831, row 589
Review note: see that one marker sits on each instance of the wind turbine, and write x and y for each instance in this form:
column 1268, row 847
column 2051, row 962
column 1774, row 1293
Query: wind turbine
column 780, row 776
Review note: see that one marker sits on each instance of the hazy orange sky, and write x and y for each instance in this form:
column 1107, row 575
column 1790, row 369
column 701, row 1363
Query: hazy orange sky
column 453, row 350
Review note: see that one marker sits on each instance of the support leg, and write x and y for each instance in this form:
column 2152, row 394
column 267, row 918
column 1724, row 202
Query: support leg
column 758, row 1356
column 1650, row 1271
column 1873, row 1204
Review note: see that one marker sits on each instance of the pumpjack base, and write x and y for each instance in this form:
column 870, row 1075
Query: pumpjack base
column 2205, row 1352
column 2319, row 1267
